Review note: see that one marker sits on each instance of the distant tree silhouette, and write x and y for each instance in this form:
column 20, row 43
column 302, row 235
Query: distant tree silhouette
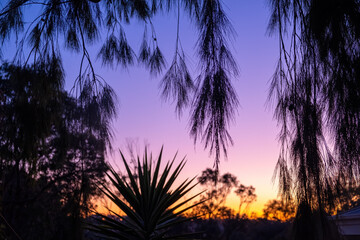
column 247, row 196
column 316, row 88
column 217, row 188
column 79, row 24
column 51, row 153
column 279, row 210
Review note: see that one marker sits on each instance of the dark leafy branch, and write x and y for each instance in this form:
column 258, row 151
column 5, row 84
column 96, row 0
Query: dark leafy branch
column 317, row 94
column 215, row 99
column 79, row 25
column 177, row 82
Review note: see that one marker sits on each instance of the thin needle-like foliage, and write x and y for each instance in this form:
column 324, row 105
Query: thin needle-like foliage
column 317, row 96
column 177, row 82
column 215, row 100
column 78, row 25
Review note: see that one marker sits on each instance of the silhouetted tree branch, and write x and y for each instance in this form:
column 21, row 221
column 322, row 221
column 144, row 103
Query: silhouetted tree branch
column 78, row 24
column 317, row 100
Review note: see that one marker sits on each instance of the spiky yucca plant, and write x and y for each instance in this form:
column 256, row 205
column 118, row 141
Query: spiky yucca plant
column 150, row 204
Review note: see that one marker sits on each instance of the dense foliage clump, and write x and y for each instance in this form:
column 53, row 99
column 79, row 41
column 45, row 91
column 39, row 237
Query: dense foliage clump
column 52, row 152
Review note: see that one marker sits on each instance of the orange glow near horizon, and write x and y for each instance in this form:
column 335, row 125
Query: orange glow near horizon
column 264, row 193
column 255, row 208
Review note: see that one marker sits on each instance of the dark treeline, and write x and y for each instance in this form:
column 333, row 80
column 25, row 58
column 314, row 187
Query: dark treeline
column 236, row 229
column 227, row 229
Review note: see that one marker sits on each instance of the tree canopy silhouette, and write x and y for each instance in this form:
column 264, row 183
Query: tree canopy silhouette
column 316, row 88
column 52, row 152
column 279, row 210
column 247, row 196
column 217, row 188
column 79, row 23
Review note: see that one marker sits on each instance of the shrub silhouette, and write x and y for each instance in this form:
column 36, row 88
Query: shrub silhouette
column 150, row 205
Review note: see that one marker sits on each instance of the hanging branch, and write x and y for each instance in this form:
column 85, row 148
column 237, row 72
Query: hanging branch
column 79, row 24
column 315, row 103
column 215, row 99
column 177, row 83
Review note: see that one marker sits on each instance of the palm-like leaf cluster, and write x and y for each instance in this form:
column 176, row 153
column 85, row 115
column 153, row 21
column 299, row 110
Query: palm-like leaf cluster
column 149, row 203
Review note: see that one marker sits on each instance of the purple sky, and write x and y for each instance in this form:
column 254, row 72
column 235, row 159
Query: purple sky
column 144, row 117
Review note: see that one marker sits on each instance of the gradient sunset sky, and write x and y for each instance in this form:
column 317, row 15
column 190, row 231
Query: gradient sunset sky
column 144, row 117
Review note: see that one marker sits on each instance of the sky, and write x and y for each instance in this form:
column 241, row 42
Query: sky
column 143, row 117
column 146, row 119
